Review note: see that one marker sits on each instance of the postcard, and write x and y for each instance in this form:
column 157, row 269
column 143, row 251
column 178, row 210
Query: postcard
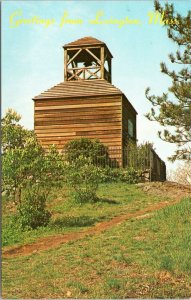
column 95, row 149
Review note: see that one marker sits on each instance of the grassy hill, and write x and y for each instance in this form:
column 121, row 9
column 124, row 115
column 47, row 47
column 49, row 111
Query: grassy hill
column 142, row 252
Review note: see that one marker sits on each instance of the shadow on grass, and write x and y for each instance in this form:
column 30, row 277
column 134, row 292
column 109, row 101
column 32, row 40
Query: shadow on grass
column 72, row 221
column 105, row 200
column 98, row 200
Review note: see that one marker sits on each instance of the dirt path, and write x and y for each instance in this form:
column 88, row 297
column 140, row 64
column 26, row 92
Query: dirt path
column 171, row 190
column 55, row 241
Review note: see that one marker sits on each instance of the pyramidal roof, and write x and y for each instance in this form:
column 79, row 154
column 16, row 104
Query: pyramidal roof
column 87, row 40
column 81, row 88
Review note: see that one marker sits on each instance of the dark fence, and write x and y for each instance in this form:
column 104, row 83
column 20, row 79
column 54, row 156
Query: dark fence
column 145, row 159
column 142, row 158
column 157, row 167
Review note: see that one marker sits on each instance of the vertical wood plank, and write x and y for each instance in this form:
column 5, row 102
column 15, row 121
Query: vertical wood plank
column 102, row 62
column 122, row 146
column 65, row 64
column 110, row 69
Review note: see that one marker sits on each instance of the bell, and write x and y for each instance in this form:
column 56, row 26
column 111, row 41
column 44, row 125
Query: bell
column 88, row 63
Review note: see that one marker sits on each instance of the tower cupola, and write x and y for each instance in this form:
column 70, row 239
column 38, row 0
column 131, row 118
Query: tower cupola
column 87, row 59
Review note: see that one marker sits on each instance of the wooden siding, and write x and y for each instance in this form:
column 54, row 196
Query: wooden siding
column 86, row 108
column 59, row 121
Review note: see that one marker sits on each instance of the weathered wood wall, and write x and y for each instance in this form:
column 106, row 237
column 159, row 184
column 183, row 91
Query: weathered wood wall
column 62, row 120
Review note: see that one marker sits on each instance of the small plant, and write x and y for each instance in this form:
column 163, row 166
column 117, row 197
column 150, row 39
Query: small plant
column 114, row 284
column 32, row 211
column 11, row 233
column 123, row 258
column 77, row 285
column 83, row 177
column 166, row 263
column 130, row 175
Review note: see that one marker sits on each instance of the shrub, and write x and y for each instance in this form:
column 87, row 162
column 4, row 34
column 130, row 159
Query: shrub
column 25, row 162
column 84, row 178
column 92, row 149
column 32, row 211
column 11, row 231
column 128, row 175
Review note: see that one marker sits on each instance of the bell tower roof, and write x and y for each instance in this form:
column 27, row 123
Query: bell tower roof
column 87, row 59
column 86, row 41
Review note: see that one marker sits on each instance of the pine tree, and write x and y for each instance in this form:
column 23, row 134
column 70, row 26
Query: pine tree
column 173, row 109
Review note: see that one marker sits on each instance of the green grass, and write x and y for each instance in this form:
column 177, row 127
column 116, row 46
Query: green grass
column 67, row 216
column 139, row 258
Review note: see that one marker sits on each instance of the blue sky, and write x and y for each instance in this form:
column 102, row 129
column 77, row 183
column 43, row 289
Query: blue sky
column 32, row 55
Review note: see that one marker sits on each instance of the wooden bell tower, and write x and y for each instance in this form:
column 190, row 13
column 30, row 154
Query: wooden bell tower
column 86, row 103
column 87, row 59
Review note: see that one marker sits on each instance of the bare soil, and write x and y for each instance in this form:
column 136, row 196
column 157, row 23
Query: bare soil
column 168, row 189
column 173, row 191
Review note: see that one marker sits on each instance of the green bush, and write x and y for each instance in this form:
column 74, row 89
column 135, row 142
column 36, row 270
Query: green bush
column 24, row 160
column 108, row 174
column 32, row 211
column 83, row 177
column 11, row 231
column 92, row 149
column 128, row 175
